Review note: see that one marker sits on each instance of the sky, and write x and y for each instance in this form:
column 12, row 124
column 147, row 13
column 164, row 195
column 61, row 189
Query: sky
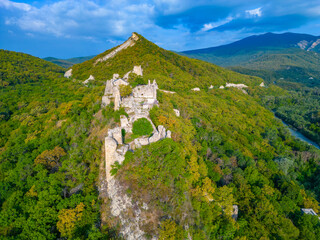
column 73, row 28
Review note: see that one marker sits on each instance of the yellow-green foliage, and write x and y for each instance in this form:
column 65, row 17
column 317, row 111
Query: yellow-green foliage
column 17, row 68
column 125, row 90
column 172, row 71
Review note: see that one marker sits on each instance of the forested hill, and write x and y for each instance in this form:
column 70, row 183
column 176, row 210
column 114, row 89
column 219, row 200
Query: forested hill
column 17, row 68
column 226, row 149
column 289, row 56
column 171, row 70
column 225, row 146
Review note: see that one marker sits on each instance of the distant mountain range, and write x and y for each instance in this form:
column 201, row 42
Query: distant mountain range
column 66, row 63
column 287, row 56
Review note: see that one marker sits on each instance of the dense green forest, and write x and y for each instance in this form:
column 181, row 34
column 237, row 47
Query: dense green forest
column 226, row 149
column 299, row 107
column 17, row 68
column 49, row 154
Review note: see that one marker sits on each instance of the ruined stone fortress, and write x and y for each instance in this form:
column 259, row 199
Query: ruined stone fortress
column 137, row 105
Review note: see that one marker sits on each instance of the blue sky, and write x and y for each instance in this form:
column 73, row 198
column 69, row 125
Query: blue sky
column 71, row 28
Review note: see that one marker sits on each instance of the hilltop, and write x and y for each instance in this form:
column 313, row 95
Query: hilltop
column 171, row 70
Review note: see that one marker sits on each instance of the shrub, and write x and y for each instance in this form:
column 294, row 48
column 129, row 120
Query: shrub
column 125, row 90
column 142, row 127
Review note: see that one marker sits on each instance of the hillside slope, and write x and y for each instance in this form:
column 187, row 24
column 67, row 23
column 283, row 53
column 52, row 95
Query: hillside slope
column 226, row 149
column 171, row 71
column 17, row 68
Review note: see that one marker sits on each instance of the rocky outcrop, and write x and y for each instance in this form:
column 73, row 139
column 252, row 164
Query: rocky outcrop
column 129, row 43
column 166, row 91
column 85, row 82
column 177, row 112
column 68, row 73
column 303, row 44
column 316, row 43
column 240, row 86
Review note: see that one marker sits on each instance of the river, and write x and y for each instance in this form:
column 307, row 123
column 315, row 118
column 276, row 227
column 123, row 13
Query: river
column 299, row 135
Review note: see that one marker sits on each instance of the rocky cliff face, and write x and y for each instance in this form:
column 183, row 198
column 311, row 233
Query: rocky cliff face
column 129, row 43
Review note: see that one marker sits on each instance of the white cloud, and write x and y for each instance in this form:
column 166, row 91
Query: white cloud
column 13, row 5
column 209, row 26
column 254, row 12
column 82, row 18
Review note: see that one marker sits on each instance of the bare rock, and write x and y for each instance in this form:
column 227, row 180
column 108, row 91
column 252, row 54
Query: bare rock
column 89, row 79
column 168, row 134
column 68, row 73
column 162, row 131
column 129, row 43
column 105, row 101
column 177, row 112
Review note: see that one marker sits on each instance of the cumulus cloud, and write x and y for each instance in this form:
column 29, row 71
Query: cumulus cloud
column 254, row 12
column 81, row 18
column 179, row 24
column 14, row 5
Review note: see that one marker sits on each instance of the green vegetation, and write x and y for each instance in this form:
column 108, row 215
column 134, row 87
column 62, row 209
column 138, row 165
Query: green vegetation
column 50, row 151
column 171, row 71
column 125, row 90
column 271, row 56
column 142, row 127
column 236, row 153
column 18, row 68
column 299, row 108
column 226, row 149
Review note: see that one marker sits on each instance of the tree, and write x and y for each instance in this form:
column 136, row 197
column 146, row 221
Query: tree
column 142, row 127
column 50, row 158
column 68, row 220
column 125, row 90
